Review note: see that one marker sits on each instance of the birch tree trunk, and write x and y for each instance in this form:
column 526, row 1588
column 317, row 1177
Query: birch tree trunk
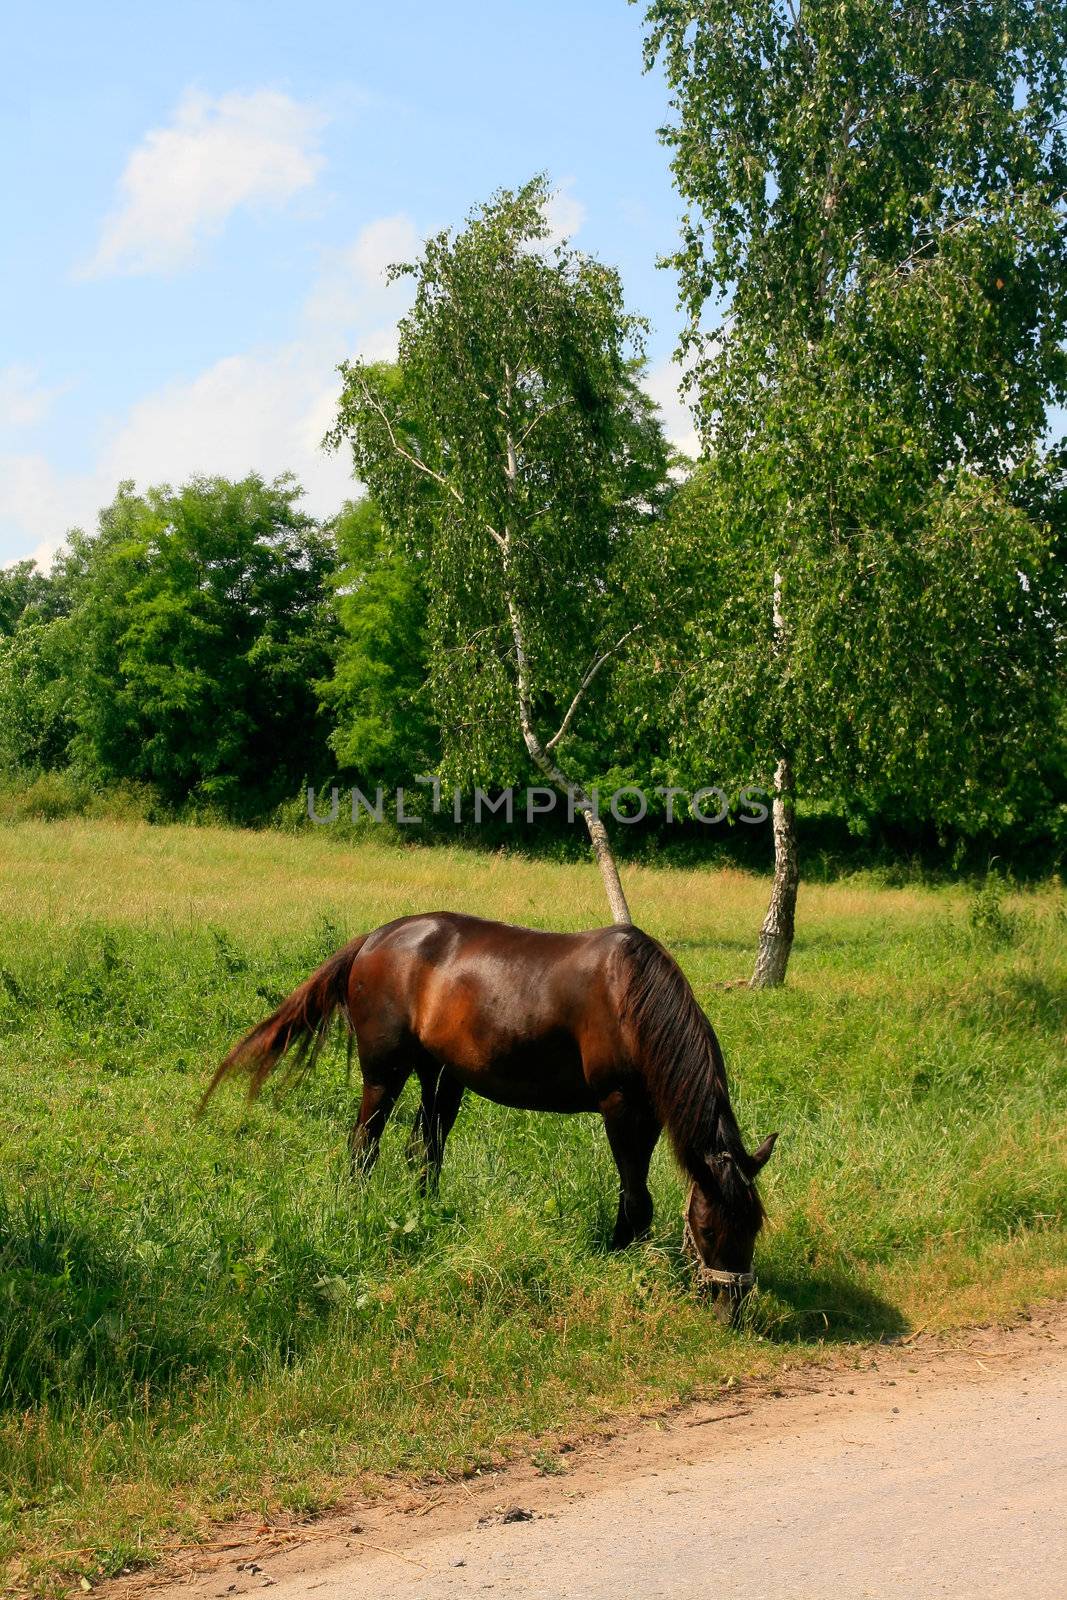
column 776, row 934
column 540, row 755
column 539, row 749
column 605, row 860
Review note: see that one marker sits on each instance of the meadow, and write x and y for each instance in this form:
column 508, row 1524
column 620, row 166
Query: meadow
column 198, row 1319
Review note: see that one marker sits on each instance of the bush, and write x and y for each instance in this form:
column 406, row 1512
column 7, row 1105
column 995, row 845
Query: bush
column 49, row 797
column 53, row 796
column 987, row 915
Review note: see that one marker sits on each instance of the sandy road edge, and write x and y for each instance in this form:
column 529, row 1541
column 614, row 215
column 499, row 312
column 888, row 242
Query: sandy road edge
column 249, row 1555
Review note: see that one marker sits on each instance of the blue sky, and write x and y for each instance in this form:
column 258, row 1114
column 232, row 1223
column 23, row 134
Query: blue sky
column 201, row 198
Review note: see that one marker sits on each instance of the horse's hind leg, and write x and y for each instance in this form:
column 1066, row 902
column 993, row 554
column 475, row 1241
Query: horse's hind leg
column 415, row 1150
column 632, row 1131
column 441, row 1096
column 381, row 1090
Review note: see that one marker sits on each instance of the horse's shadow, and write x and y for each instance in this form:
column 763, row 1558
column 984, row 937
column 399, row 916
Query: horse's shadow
column 826, row 1308
column 802, row 1306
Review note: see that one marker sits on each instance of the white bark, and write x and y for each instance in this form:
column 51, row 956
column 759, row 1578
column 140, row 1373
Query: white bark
column 543, row 761
column 776, row 934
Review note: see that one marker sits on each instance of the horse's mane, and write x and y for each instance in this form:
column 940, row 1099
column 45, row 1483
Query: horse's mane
column 684, row 1072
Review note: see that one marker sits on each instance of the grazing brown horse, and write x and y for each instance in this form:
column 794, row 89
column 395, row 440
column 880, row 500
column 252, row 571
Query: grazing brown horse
column 602, row 1021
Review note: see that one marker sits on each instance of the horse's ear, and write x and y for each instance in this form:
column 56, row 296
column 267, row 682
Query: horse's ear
column 760, row 1157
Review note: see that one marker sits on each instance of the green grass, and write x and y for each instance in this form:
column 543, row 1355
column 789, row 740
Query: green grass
column 197, row 1319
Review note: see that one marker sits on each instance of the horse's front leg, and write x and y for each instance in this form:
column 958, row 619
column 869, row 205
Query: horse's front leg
column 632, row 1131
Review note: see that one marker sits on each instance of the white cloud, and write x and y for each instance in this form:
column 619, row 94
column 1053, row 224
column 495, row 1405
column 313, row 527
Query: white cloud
column 662, row 382
column 267, row 410
column 184, row 180
column 352, row 281
column 263, row 410
column 38, row 505
column 382, row 243
column 564, row 213
column 380, row 344
column 23, row 399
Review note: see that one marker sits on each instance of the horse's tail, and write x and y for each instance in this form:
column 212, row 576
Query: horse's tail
column 301, row 1021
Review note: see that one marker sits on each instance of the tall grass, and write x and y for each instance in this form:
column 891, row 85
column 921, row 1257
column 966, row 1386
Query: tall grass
column 200, row 1318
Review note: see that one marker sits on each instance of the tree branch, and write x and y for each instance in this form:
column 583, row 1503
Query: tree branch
column 538, row 753
column 583, row 686
column 577, row 797
column 414, row 461
column 801, row 33
column 421, row 466
column 540, row 417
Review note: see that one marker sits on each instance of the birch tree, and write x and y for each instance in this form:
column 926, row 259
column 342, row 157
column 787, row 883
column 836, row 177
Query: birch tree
column 875, row 194
column 514, row 447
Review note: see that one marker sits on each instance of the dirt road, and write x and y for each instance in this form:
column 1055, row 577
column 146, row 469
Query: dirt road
column 936, row 1470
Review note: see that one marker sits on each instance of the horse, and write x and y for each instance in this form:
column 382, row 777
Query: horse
column 602, row 1021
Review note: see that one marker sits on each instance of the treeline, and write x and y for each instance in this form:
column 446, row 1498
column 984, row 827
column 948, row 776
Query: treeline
column 218, row 650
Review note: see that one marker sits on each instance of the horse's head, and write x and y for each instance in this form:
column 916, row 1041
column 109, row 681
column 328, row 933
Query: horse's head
column 723, row 1216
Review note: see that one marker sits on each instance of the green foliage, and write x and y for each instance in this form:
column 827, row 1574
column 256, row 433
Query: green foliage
column 892, row 171
column 378, row 698
column 36, row 724
column 199, row 624
column 921, row 673
column 988, row 916
column 876, row 195
column 516, row 454
column 24, row 593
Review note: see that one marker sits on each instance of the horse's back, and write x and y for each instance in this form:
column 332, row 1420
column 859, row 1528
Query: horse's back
column 516, row 1013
